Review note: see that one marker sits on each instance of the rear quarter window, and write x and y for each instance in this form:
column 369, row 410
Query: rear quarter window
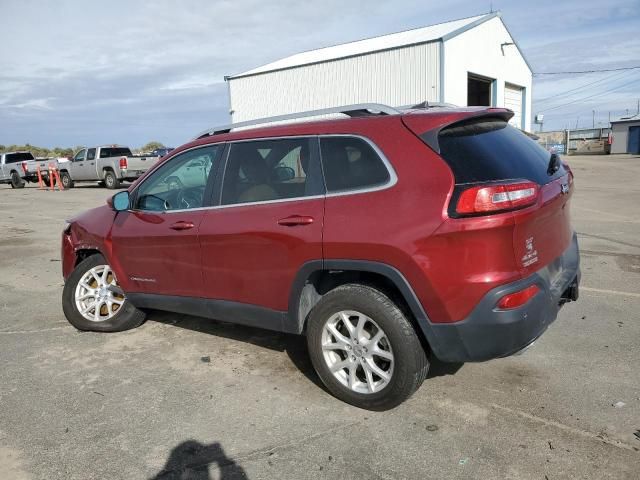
column 351, row 163
column 486, row 150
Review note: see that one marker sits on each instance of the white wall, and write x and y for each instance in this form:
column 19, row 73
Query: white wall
column 395, row 77
column 620, row 132
column 478, row 51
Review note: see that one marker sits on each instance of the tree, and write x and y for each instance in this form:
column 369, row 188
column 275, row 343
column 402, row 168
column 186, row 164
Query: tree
column 151, row 146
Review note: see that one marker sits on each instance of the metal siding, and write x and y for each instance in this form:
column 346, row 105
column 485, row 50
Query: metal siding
column 478, row 50
column 513, row 96
column 395, row 77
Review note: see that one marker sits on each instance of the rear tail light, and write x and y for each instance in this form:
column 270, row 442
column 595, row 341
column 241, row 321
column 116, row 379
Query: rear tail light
column 24, row 167
column 568, row 169
column 123, row 163
column 517, row 299
column 497, row 198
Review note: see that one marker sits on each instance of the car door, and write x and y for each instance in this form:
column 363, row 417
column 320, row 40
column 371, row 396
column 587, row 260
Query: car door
column 88, row 169
column 267, row 224
column 76, row 166
column 156, row 242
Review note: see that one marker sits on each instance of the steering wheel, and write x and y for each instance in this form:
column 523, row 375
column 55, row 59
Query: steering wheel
column 189, row 198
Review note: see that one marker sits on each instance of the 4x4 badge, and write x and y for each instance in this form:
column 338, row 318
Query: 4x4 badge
column 564, row 188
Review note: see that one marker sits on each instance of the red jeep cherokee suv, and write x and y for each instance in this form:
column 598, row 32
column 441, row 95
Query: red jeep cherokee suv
column 385, row 238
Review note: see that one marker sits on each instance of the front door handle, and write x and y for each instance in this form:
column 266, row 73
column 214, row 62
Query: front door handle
column 182, row 226
column 295, row 220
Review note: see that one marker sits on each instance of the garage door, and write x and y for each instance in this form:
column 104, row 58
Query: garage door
column 513, row 101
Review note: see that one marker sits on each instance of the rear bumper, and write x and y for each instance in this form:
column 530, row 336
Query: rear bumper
column 491, row 333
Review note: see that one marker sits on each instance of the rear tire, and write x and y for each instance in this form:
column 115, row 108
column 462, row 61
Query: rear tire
column 16, row 181
column 65, row 178
column 108, row 318
column 110, row 180
column 397, row 355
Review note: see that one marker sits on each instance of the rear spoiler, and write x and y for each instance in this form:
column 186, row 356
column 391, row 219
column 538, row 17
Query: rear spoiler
column 428, row 128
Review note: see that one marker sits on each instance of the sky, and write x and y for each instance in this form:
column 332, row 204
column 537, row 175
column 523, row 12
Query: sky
column 93, row 72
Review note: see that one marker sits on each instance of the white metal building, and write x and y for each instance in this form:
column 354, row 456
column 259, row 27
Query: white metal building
column 626, row 135
column 471, row 61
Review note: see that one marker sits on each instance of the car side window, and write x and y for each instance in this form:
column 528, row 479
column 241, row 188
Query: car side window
column 351, row 163
column 179, row 183
column 91, row 154
column 79, row 156
column 266, row 170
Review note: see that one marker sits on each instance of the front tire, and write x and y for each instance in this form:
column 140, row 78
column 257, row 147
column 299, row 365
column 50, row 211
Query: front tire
column 66, row 180
column 364, row 349
column 92, row 300
column 16, row 181
column 110, row 180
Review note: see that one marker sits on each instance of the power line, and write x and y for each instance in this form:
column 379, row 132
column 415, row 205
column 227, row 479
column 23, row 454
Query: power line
column 588, row 71
column 618, row 74
column 591, row 96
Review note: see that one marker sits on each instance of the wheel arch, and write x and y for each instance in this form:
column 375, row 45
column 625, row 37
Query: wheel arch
column 84, row 253
column 316, row 278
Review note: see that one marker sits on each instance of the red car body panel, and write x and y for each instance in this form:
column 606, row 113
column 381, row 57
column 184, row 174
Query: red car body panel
column 248, row 256
column 155, row 258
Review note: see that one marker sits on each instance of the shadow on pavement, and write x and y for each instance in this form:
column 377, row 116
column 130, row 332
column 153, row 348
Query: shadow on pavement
column 191, row 460
column 295, row 346
column 440, row 369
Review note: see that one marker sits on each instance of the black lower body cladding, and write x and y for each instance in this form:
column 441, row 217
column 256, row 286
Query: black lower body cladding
column 491, row 333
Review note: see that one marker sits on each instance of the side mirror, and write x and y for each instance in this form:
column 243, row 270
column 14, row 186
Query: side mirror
column 284, row 174
column 120, row 201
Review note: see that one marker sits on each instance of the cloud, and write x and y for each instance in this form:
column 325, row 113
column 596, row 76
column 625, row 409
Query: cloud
column 128, row 72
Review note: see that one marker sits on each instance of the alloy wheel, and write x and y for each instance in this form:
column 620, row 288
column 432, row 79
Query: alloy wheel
column 97, row 296
column 357, row 352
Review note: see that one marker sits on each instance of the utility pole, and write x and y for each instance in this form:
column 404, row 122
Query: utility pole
column 638, row 109
column 594, row 119
column 577, row 120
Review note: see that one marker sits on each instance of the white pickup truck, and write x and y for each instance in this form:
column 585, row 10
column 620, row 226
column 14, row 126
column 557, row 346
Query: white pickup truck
column 110, row 164
column 18, row 168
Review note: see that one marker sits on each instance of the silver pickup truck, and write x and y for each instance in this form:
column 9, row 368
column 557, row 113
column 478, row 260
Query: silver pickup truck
column 110, row 164
column 17, row 168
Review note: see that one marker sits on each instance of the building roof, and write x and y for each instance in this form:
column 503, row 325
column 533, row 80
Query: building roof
column 440, row 31
column 632, row 118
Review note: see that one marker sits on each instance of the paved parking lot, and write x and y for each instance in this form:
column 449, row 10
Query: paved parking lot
column 183, row 397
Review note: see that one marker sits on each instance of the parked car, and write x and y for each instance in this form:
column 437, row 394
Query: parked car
column 161, row 152
column 18, row 168
column 110, row 164
column 387, row 239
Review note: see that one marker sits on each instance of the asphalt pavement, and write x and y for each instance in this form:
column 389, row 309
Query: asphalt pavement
column 183, row 397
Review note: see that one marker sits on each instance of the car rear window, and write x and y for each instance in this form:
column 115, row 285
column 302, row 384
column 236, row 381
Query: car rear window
column 18, row 157
column 486, row 150
column 114, row 152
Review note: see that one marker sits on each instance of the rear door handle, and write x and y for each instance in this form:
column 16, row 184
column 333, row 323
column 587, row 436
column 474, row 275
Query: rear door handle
column 295, row 220
column 182, row 226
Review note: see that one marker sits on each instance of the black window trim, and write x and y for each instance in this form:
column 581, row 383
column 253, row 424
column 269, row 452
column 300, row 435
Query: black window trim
column 215, row 199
